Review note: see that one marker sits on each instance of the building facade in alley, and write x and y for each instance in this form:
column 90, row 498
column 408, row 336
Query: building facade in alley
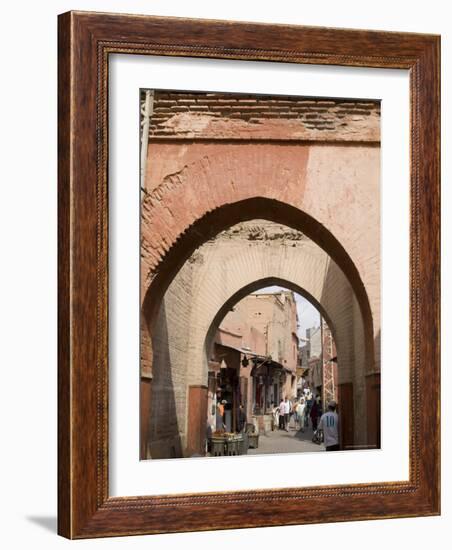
column 318, row 362
column 254, row 359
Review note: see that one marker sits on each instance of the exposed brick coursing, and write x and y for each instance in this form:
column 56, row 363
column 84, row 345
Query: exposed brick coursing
column 239, row 116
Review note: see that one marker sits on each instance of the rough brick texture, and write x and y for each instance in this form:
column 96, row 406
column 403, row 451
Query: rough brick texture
column 232, row 116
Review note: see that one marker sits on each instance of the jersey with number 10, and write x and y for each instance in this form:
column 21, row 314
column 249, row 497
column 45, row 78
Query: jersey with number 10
column 329, row 424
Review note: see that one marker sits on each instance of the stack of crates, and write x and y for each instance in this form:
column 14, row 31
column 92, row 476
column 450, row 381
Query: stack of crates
column 217, row 446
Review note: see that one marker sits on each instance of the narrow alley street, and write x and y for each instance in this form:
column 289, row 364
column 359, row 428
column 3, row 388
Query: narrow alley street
column 280, row 441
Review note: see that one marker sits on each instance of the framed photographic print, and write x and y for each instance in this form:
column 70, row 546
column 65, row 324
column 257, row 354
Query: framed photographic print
column 248, row 274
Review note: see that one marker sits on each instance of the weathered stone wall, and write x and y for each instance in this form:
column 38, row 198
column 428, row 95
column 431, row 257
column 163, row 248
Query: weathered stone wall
column 168, row 404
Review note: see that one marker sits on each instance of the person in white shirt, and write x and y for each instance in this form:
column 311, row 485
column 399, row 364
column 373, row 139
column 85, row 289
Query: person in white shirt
column 329, row 423
column 287, row 408
column 282, row 410
column 300, row 410
column 275, row 416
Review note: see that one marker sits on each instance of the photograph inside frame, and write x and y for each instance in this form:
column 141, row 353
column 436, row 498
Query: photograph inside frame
column 260, row 274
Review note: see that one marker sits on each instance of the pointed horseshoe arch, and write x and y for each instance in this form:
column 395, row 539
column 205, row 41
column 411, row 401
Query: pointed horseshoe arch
column 207, row 228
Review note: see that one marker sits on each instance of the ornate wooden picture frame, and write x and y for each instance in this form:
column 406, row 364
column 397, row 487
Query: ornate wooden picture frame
column 86, row 40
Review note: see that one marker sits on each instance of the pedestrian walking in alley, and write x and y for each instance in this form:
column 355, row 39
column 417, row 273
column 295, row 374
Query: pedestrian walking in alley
column 275, row 416
column 241, row 420
column 329, row 423
column 315, row 413
column 301, row 414
column 219, row 416
column 295, row 413
column 309, row 403
column 281, row 410
column 319, row 407
column 286, row 414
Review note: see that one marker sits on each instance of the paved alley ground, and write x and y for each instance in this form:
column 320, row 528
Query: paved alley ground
column 281, row 441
